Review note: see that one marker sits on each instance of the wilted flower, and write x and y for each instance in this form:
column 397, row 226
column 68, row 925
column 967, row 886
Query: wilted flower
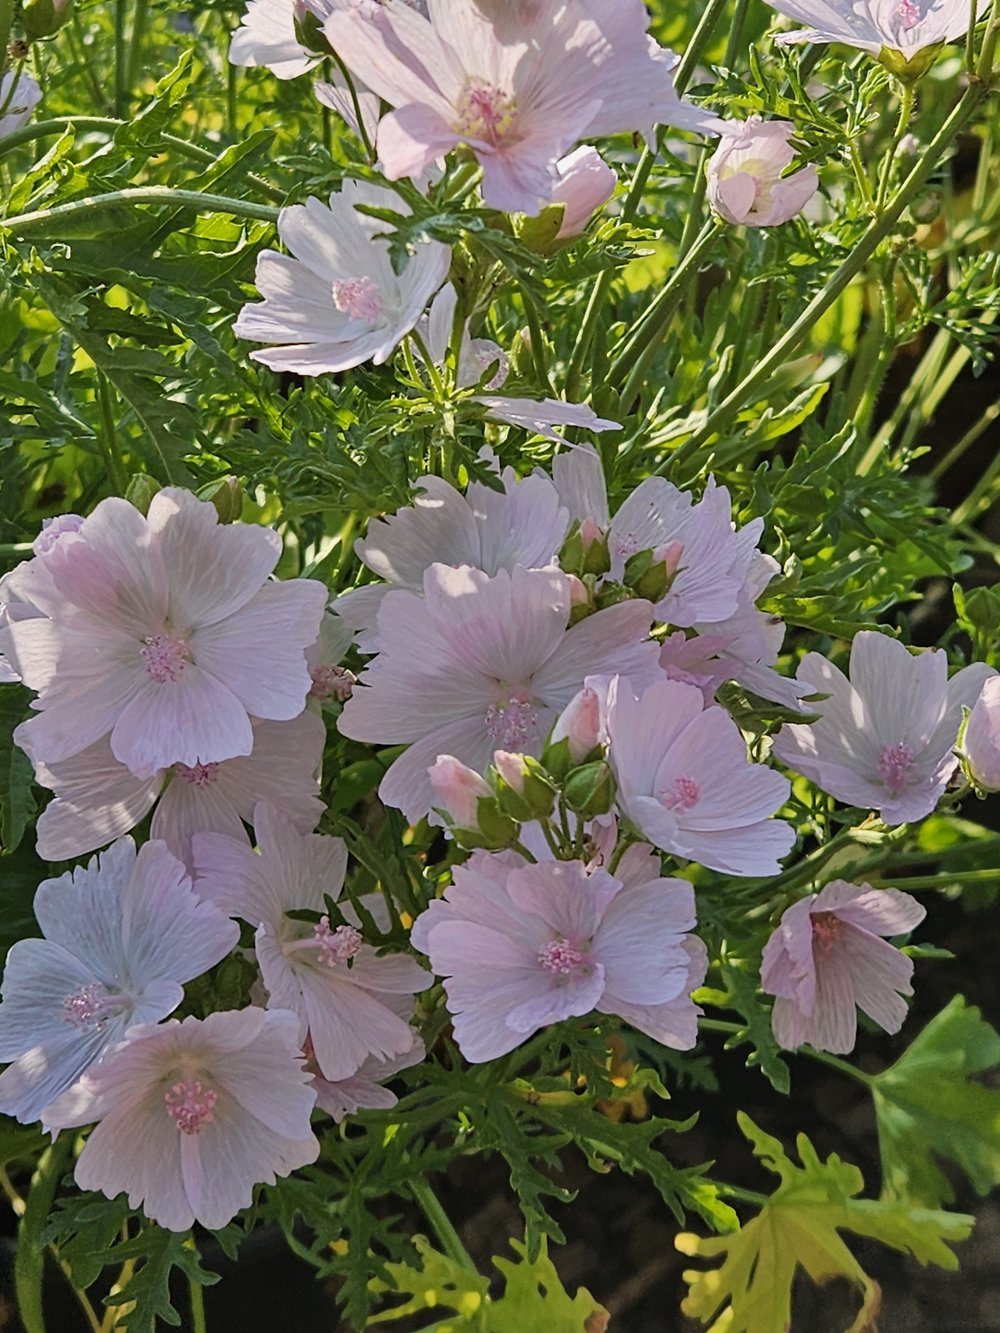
column 165, row 632
column 495, row 664
column 746, row 184
column 828, row 955
column 584, row 182
column 19, row 95
column 327, row 975
column 121, row 936
column 192, row 1115
column 518, row 95
column 906, row 26
column 685, row 781
column 338, row 301
column 885, row 738
column 522, row 947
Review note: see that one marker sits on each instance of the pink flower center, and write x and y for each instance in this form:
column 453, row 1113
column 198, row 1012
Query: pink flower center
column 512, row 724
column 626, row 544
column 487, row 356
column 894, row 767
column 562, row 957
column 202, row 775
column 909, row 13
column 91, row 1006
column 165, row 657
column 485, row 112
column 682, row 795
column 332, row 682
column 336, row 946
column 359, row 298
column 190, row 1106
column 826, row 930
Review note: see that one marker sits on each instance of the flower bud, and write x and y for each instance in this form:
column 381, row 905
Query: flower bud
column 44, row 18
column 577, row 735
column 746, row 184
column 650, row 573
column 585, row 550
column 468, row 806
column 585, row 184
column 227, row 496
column 590, row 791
column 581, row 600
column 524, row 789
column 140, row 491
column 981, row 739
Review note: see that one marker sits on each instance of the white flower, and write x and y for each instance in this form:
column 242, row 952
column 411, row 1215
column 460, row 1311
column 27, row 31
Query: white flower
column 19, row 95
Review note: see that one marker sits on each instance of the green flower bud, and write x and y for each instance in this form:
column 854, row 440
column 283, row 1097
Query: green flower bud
column 524, row 789
column 140, row 491
column 44, row 18
column 227, row 496
column 590, row 790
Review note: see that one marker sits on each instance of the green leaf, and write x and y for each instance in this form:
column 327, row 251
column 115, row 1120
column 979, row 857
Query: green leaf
column 147, row 1292
column 930, row 1110
column 17, row 804
column 799, row 1227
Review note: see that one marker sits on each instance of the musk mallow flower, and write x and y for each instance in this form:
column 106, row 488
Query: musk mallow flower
column 267, row 38
column 120, row 937
column 684, row 780
column 336, row 300
column 478, row 664
column 98, row 799
column 28, row 582
column 521, row 947
column 19, row 95
column 584, row 183
column 829, row 955
column 713, row 557
column 366, row 1090
column 885, row 737
column 980, row 748
column 165, row 633
column 519, row 96
column 190, row 1116
column 906, row 26
column 747, row 184
column 327, row 975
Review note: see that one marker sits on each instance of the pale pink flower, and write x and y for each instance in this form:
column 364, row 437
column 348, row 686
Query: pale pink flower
column 747, row 184
column 337, row 96
column 121, row 936
column 541, row 416
column 457, row 791
column 871, row 25
column 828, row 956
column 366, row 1090
column 519, row 96
column 522, row 947
column 495, row 664
column 584, row 183
column 19, row 95
column 325, row 974
column 714, row 558
column 192, row 1115
column 267, row 38
column 580, row 725
column 685, row 781
column 98, row 798
column 28, row 582
column 165, row 632
column 981, row 739
column 885, row 738
column 337, row 300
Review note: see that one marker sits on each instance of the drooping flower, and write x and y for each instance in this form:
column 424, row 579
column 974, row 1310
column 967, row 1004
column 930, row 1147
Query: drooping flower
column 520, row 96
column 28, row 582
column 192, row 1115
column 829, row 955
column 266, row 37
column 325, row 974
column 746, row 180
column 981, row 739
column 495, row 665
column 19, row 95
column 98, row 798
column 714, row 558
column 685, row 781
column 584, row 182
column 520, row 947
column 166, row 633
column 885, row 738
column 121, row 936
column 337, row 300
column 907, row 26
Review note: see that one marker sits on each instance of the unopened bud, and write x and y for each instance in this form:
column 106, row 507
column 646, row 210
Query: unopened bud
column 590, row 790
column 524, row 789
column 468, row 806
column 585, row 550
column 576, row 737
column 44, row 18
column 227, row 496
column 581, row 600
column 650, row 573
column 140, row 491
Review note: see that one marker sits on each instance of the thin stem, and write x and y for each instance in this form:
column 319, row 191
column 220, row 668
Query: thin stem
column 906, row 96
column 29, row 1264
column 197, row 1298
column 699, row 40
column 734, row 1029
column 139, row 17
column 142, row 194
column 448, row 1237
column 108, row 436
column 6, row 19
column 356, row 104
column 839, row 281
column 537, row 344
column 944, row 878
column 120, row 57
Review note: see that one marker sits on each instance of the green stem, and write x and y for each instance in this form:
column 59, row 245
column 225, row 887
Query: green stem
column 537, row 344
column 197, row 1298
column 108, row 437
column 448, row 1237
column 120, row 58
column 6, row 19
column 142, row 194
column 944, row 878
column 134, row 67
column 837, row 284
column 734, row 1029
column 29, row 1264
column 356, row 104
column 699, row 40
column 906, row 96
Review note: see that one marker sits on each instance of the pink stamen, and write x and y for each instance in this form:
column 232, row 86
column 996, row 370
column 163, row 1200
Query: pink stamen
column 332, row 682
column 202, row 775
column 512, row 724
column 190, row 1106
column 359, row 298
column 909, row 13
column 90, row 1006
column 165, row 657
column 894, row 767
column 826, row 929
column 485, row 112
column 683, row 795
column 562, row 957
column 336, row 946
